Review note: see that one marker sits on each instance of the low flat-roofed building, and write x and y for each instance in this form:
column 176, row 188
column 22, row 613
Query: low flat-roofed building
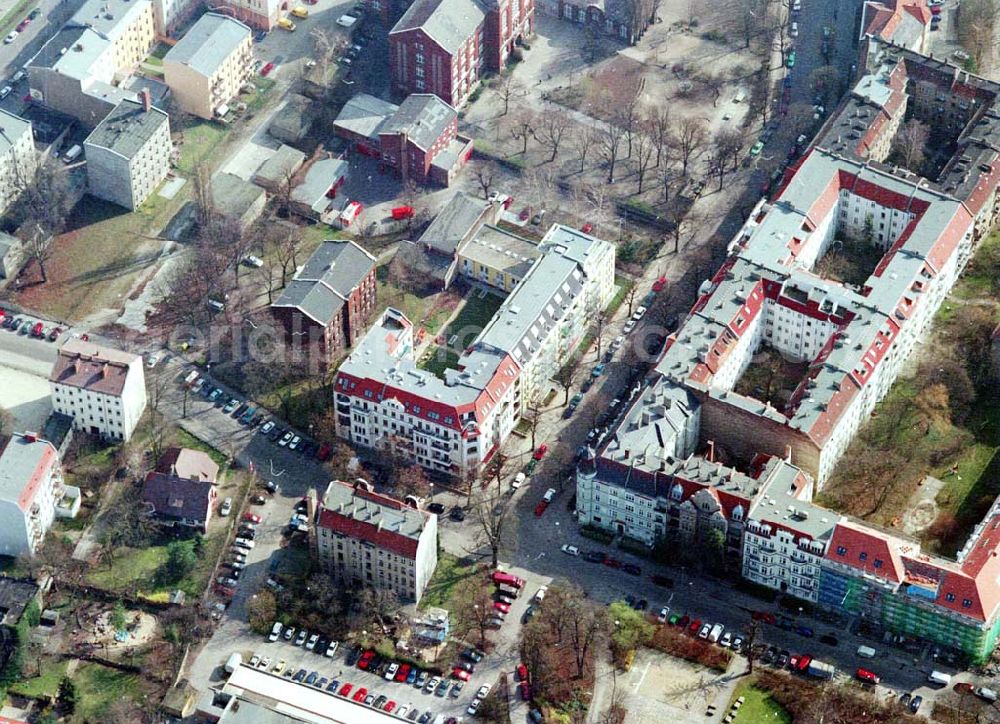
column 128, row 154
column 497, row 257
column 15, row 595
column 209, row 64
column 293, row 121
column 279, row 169
column 238, row 199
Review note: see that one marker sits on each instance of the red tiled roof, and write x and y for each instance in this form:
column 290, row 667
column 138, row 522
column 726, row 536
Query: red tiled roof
column 862, row 547
column 362, row 530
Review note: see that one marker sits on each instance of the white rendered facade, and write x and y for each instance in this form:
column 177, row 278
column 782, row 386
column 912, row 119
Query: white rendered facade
column 31, row 483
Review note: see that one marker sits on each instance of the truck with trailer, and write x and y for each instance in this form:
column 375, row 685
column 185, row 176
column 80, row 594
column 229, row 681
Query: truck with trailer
column 820, row 670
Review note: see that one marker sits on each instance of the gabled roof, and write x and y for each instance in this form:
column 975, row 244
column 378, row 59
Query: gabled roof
column 867, row 549
column 449, row 23
column 88, row 366
column 423, row 117
column 326, row 281
column 364, row 115
column 178, row 498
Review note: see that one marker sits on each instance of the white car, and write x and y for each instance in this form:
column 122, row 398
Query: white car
column 549, row 495
column 311, row 644
column 570, row 550
column 473, row 707
column 286, row 438
column 294, row 443
column 483, row 691
column 226, row 508
column 265, row 663
column 518, row 481
column 629, row 326
column 11, row 37
column 255, row 261
column 346, row 21
column 267, row 427
column 5, row 91
column 726, row 640
column 540, row 594
column 331, row 649
column 662, row 617
column 639, row 313
column 617, row 344
column 275, row 631
column 254, row 660
column 390, row 673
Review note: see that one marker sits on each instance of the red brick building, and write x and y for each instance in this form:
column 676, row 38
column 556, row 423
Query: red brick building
column 418, row 139
column 444, row 46
column 326, row 307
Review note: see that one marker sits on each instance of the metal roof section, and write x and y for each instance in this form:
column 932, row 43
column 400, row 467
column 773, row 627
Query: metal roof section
column 208, row 43
column 449, row 23
column 422, row 118
column 365, row 115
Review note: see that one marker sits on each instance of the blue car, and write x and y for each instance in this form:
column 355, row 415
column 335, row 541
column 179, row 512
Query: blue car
column 299, row 675
column 311, row 679
column 804, row 631
column 598, row 370
column 412, row 676
column 333, row 686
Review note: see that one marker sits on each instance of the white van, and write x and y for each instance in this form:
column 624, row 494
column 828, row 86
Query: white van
column 518, row 481
column 795, row 30
column 716, row 632
column 866, row 652
column 73, row 153
column 936, row 677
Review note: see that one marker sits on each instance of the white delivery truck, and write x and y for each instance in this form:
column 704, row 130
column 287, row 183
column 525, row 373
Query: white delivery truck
column 73, row 153
column 820, row 670
column 866, row 652
column 936, row 677
column 233, row 663
column 715, row 633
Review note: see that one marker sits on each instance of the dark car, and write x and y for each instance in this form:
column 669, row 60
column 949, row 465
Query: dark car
column 804, row 631
column 782, row 660
column 436, row 508
column 915, row 703
column 299, row 675
column 352, row 656
column 632, row 570
column 473, row 655
column 595, row 556
column 769, row 655
column 663, row 581
column 828, row 640
column 905, row 699
column 457, row 513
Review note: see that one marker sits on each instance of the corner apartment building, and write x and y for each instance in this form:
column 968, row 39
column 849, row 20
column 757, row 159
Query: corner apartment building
column 326, row 306
column 455, row 424
column 17, row 157
column 31, row 484
column 79, row 69
column 364, row 538
column 128, row 154
column 207, row 67
column 444, row 46
column 854, row 340
column 102, row 389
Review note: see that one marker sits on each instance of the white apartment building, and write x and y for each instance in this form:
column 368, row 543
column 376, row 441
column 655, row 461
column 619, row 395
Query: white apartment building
column 17, row 157
column 102, row 389
column 128, row 24
column 367, row 539
column 31, row 484
column 209, row 64
column 128, row 154
column 168, row 14
column 454, row 425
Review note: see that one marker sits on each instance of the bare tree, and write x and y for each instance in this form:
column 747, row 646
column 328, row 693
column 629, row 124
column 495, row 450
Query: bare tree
column 202, row 192
column 644, row 147
column 583, row 140
column 550, row 129
column 910, row 143
column 688, row 141
column 628, row 117
column 659, row 127
column 714, row 83
column 588, row 624
column 609, row 141
column 490, row 511
column 523, row 128
column 484, row 176
column 668, row 179
column 510, row 89
column 566, row 377
column 326, row 46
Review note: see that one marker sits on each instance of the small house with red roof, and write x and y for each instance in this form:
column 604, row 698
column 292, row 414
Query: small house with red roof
column 365, row 538
column 901, row 22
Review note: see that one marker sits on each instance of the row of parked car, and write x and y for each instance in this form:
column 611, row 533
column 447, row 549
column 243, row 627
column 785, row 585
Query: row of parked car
column 23, row 325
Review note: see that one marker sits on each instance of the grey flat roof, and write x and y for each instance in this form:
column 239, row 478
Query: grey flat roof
column 73, row 51
column 127, row 128
column 285, row 160
column 499, row 249
column 233, row 195
column 318, row 180
column 109, row 17
column 448, row 22
column 422, row 117
column 208, row 43
column 13, row 128
column 364, row 115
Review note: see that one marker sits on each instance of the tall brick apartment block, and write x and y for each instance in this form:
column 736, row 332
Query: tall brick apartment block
column 444, row 46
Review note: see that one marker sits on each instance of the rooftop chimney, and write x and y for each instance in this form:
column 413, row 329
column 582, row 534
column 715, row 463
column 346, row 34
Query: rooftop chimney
column 147, row 99
column 711, row 451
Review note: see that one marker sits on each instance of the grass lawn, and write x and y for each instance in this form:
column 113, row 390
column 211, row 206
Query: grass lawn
column 439, row 359
column 473, row 317
column 99, row 687
column 429, row 312
column 131, row 566
column 200, row 139
column 45, row 684
column 758, row 706
column 450, row 571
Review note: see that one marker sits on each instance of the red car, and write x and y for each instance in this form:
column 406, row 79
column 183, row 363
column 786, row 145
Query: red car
column 461, row 674
column 764, row 616
column 522, row 672
column 507, row 579
column 502, row 607
column 366, row 659
column 360, row 694
column 251, row 518
column 695, row 625
column 659, row 284
column 403, row 672
column 402, row 212
column 323, row 454
column 540, row 452
column 612, row 562
column 867, row 676
column 803, row 663
column 587, row 228
column 54, row 334
column 23, row 24
column 345, row 690
column 37, row 330
column 267, row 69
column 389, row 706
column 540, row 509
